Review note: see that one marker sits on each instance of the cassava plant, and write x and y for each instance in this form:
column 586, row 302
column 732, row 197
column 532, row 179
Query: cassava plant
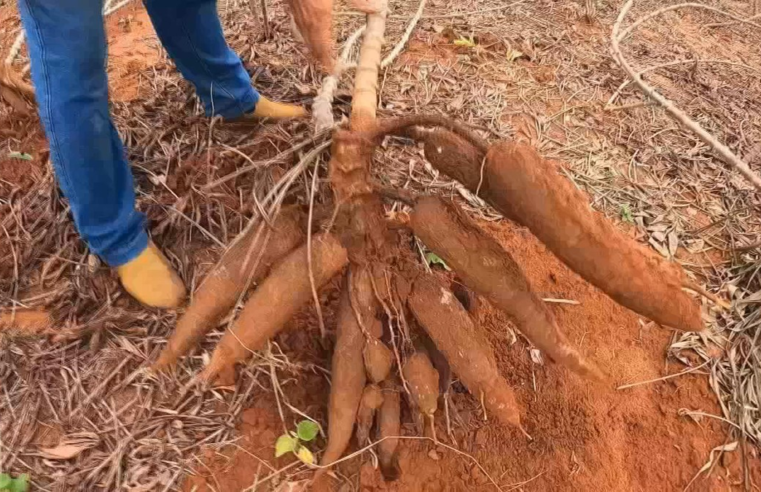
column 400, row 329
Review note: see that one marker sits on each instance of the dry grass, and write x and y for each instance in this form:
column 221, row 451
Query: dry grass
column 539, row 71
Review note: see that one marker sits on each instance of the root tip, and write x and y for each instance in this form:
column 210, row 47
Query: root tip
column 390, row 471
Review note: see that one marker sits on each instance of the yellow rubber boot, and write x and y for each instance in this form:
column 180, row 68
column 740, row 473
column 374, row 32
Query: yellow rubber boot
column 271, row 110
column 151, row 280
column 277, row 111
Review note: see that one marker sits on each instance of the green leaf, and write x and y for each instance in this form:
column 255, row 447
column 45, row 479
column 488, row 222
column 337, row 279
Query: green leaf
column 20, row 483
column 20, row 155
column 434, row 259
column 285, row 444
column 465, row 42
column 305, row 455
column 5, row 481
column 307, row 430
column 626, row 213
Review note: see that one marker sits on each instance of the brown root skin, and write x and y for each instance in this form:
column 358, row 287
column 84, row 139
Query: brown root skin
column 277, row 299
column 222, row 287
column 439, row 362
column 361, row 214
column 528, row 189
column 465, row 347
column 372, row 399
column 401, row 126
column 389, row 427
column 378, row 360
column 348, row 371
column 485, row 267
column 467, row 298
column 453, row 156
column 423, row 382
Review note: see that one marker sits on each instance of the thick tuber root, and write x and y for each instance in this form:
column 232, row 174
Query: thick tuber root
column 465, row 347
column 389, row 428
column 452, row 155
column 488, row 269
column 423, row 382
column 257, row 250
column 528, row 190
column 277, row 299
column 372, row 399
column 348, row 369
column 378, row 360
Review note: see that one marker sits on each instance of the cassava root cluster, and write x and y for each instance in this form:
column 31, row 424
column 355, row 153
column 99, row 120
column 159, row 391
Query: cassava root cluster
column 396, row 323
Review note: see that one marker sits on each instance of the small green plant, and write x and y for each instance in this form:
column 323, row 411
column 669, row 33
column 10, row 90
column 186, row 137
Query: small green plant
column 434, row 259
column 293, row 442
column 626, row 213
column 18, row 484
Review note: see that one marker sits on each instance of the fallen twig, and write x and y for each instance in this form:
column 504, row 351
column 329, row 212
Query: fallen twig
column 680, row 116
column 664, row 378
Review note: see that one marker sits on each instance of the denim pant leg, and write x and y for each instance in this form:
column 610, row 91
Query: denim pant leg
column 67, row 46
column 191, row 32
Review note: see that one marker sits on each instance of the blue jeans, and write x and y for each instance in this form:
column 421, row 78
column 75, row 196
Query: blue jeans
column 67, row 46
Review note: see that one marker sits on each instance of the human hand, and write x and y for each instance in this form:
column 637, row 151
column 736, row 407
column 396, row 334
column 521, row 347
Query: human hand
column 369, row 6
column 314, row 20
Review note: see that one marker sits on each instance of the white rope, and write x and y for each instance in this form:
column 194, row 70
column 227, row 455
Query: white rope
column 322, row 106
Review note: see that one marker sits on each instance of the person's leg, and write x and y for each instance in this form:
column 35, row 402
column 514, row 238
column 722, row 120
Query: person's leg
column 192, row 34
column 67, row 47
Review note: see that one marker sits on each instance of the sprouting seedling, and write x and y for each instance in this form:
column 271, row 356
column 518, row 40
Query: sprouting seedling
column 626, row 213
column 18, row 484
column 293, row 442
column 434, row 259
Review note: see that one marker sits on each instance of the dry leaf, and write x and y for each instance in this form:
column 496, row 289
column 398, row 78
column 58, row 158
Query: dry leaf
column 456, row 103
column 712, row 455
column 659, row 247
column 673, row 242
column 71, row 446
column 536, row 357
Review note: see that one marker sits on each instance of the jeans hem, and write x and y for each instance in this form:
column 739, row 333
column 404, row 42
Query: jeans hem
column 129, row 252
column 240, row 107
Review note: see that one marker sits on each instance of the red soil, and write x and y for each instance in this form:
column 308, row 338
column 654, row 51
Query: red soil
column 132, row 48
column 583, row 440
